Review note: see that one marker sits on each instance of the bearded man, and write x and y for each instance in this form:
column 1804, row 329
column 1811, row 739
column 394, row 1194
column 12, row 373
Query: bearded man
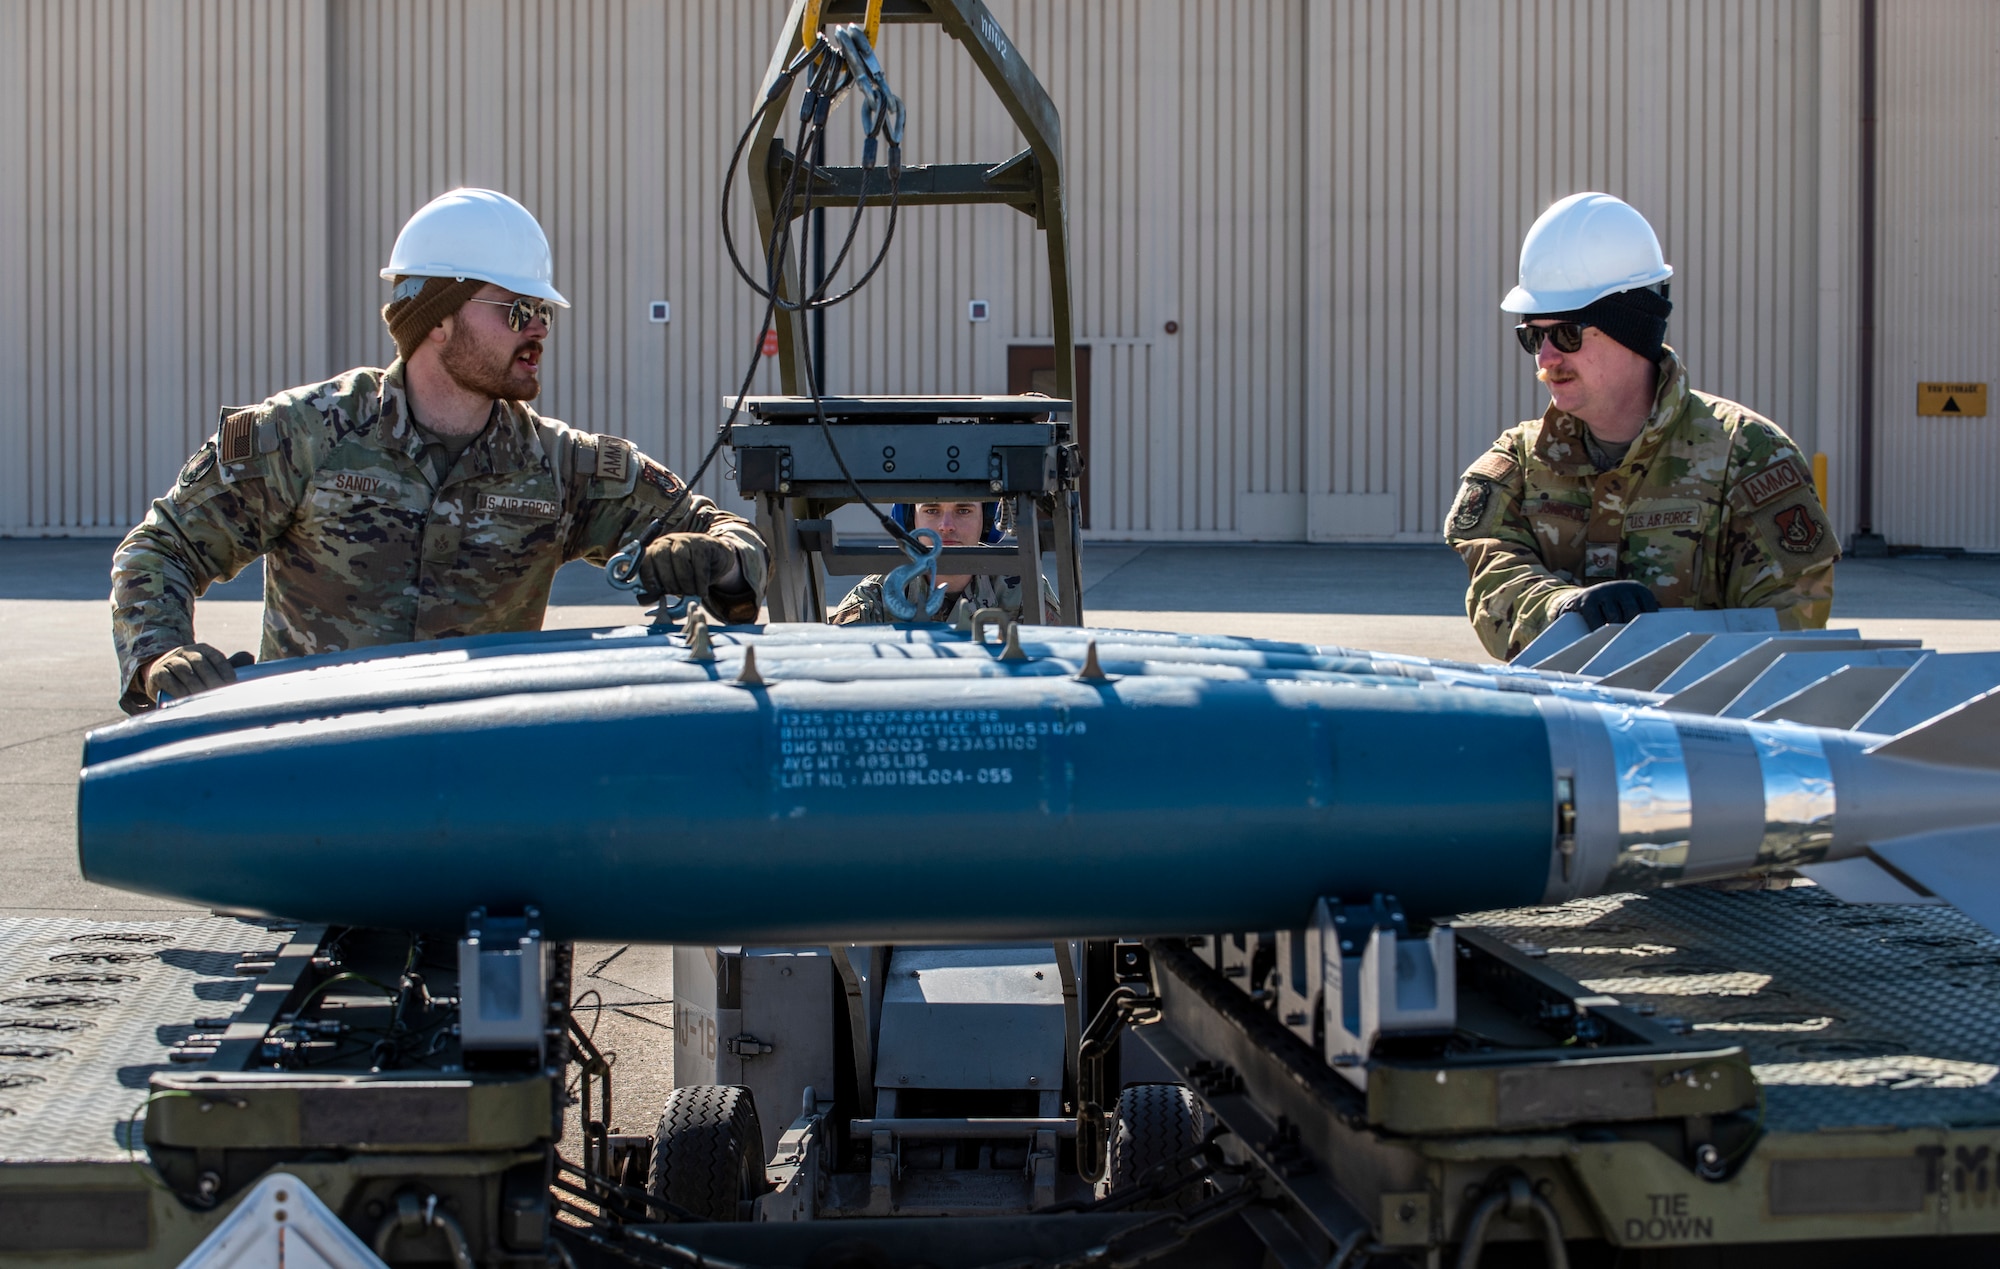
column 424, row 501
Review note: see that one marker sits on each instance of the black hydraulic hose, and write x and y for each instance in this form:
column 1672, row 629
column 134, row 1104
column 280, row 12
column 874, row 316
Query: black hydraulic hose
column 896, row 531
column 821, row 91
column 822, row 86
column 652, row 530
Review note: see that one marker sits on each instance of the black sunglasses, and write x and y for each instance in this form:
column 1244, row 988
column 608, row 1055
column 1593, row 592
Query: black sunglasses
column 524, row 312
column 1566, row 336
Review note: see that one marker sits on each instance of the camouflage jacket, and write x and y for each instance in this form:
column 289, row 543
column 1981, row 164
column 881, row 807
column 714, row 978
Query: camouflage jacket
column 364, row 546
column 1713, row 507
column 864, row 605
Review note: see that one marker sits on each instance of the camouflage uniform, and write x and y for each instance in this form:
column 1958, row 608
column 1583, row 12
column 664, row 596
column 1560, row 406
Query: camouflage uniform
column 864, row 605
column 365, row 545
column 1712, row 507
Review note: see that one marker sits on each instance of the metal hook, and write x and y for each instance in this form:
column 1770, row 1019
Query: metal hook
column 622, row 571
column 923, row 563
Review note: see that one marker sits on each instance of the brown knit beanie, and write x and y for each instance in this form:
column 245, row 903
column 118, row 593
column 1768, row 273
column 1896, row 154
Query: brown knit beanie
column 410, row 317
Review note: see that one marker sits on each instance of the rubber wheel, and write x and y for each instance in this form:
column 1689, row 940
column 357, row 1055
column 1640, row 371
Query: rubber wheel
column 708, row 1154
column 1155, row 1122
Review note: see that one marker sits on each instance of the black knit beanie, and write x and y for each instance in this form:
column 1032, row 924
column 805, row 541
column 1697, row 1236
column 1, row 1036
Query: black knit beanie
column 1636, row 319
column 410, row 317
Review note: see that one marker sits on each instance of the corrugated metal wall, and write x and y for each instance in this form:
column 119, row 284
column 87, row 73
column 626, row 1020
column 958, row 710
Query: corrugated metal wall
column 1325, row 197
column 1445, row 129
column 1940, row 274
column 611, row 120
column 166, row 237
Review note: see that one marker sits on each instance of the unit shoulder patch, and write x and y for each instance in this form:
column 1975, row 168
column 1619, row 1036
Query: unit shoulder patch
column 660, row 478
column 1799, row 530
column 1773, row 482
column 1493, row 465
column 199, row 464
column 1469, row 508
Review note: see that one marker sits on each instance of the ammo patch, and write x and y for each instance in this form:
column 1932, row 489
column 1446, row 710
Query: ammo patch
column 199, row 464
column 1773, row 483
column 1799, row 530
column 1663, row 518
column 659, row 477
column 238, row 439
column 1493, row 465
column 614, row 458
column 506, row 505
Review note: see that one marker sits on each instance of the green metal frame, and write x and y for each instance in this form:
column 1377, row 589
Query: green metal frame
column 1030, row 181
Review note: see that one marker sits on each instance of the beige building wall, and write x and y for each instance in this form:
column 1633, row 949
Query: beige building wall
column 1323, row 197
column 1939, row 318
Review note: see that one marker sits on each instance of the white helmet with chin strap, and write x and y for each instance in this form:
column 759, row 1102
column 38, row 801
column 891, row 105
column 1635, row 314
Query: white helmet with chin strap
column 476, row 233
column 1583, row 248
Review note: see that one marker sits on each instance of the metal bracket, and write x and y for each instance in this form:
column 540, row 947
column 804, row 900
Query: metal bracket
column 1132, row 1001
column 503, row 985
column 1379, row 981
column 747, row 1046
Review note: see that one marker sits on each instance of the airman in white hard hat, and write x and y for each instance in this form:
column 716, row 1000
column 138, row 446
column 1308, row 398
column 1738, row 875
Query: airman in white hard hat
column 1632, row 492
column 423, row 501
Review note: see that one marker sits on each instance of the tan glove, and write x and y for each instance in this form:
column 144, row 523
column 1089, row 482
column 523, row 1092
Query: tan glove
column 684, row 564
column 191, row 668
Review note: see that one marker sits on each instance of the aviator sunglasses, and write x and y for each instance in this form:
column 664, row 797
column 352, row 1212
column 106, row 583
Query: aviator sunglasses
column 524, row 312
column 1566, row 336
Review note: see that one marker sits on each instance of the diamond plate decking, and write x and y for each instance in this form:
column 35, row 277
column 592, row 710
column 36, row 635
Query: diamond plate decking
column 1854, row 1015
column 88, row 1011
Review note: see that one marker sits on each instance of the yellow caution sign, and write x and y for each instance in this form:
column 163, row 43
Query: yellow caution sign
column 1952, row 400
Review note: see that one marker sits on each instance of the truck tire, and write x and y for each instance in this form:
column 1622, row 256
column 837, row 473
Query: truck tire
column 1154, row 1123
column 708, row 1154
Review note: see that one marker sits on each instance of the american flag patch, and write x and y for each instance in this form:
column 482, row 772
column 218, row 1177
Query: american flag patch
column 239, row 437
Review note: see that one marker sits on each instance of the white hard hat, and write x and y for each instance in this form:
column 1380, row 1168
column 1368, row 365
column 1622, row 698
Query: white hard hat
column 476, row 233
column 1582, row 249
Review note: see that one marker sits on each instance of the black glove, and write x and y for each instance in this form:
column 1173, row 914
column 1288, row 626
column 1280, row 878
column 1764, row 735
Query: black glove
column 683, row 564
column 1609, row 602
column 191, row 668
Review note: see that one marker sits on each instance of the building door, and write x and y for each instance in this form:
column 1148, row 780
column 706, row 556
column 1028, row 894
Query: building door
column 1032, row 368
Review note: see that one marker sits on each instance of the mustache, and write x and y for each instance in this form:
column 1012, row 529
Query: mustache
column 1542, row 376
column 530, row 345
